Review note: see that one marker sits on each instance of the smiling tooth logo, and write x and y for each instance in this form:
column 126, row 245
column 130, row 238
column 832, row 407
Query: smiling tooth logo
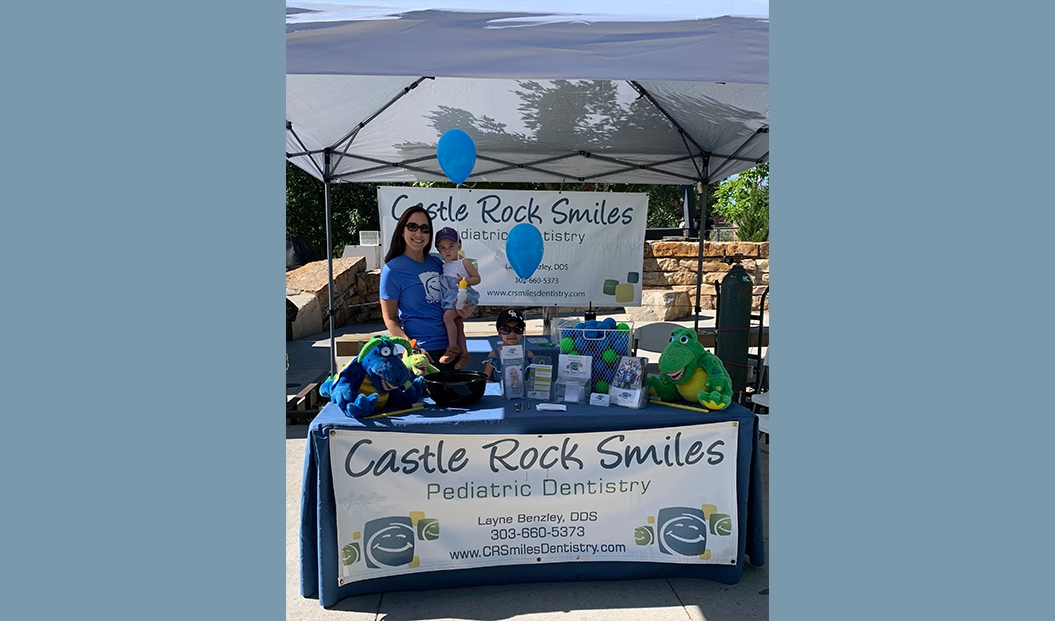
column 350, row 554
column 431, row 281
column 388, row 541
column 721, row 524
column 428, row 529
column 681, row 530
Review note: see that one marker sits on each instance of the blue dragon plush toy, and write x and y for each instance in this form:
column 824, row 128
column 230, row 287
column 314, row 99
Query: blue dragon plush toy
column 376, row 378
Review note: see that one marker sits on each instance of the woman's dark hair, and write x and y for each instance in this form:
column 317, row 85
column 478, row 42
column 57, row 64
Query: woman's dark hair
column 399, row 244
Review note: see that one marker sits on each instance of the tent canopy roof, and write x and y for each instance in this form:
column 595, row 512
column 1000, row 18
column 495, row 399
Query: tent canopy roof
column 610, row 92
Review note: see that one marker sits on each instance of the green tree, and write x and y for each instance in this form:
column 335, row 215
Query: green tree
column 744, row 199
column 353, row 207
column 664, row 205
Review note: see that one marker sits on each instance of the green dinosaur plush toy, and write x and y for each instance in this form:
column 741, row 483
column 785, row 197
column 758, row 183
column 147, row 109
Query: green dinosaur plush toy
column 688, row 372
column 416, row 361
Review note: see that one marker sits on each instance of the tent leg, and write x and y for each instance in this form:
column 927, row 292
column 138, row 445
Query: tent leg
column 329, row 261
column 699, row 258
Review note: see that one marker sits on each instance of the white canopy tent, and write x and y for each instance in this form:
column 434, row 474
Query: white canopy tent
column 550, row 91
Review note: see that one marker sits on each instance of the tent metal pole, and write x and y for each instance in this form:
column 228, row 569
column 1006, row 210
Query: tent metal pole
column 758, row 132
column 644, row 93
column 329, row 258
column 629, row 166
column 699, row 258
column 686, row 138
column 350, row 136
column 289, row 128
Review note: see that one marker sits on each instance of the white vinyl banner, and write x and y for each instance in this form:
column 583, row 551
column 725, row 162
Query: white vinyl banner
column 537, row 248
column 409, row 502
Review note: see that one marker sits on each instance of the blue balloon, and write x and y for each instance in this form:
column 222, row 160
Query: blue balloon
column 524, row 249
column 457, row 155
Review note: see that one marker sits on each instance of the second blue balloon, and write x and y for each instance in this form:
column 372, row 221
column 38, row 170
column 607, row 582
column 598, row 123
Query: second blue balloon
column 524, row 249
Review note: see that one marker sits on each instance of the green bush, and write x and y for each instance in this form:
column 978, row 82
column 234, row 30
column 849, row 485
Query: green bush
column 744, row 199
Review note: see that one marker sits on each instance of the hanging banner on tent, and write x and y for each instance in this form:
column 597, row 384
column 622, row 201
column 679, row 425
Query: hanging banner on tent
column 419, row 502
column 538, row 248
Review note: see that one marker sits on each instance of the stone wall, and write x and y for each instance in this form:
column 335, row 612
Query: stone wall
column 370, row 285
column 668, row 281
column 308, row 288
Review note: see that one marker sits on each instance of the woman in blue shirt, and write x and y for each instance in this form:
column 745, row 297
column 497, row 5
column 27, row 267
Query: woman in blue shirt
column 411, row 299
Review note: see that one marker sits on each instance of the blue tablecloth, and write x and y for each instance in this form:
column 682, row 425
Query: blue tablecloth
column 319, row 555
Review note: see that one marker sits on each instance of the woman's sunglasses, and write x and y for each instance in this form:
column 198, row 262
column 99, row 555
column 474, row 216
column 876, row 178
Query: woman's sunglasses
column 504, row 330
column 414, row 228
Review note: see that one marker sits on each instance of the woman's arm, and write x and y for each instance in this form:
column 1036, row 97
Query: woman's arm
column 470, row 269
column 390, row 314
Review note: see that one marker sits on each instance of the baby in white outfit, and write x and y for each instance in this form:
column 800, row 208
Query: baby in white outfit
column 455, row 269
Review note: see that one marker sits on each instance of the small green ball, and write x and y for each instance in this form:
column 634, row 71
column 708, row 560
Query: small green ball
column 574, row 353
column 601, row 386
column 609, row 356
column 623, row 327
column 567, row 344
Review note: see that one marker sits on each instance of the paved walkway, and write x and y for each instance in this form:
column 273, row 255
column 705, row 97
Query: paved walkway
column 633, row 600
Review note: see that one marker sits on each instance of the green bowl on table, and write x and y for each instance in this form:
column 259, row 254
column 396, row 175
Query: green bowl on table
column 456, row 388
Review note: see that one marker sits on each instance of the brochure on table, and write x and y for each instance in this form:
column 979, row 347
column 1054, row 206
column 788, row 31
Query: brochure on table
column 513, row 371
column 628, row 387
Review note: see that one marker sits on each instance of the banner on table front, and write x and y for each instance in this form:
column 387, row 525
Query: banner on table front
column 411, row 502
column 592, row 243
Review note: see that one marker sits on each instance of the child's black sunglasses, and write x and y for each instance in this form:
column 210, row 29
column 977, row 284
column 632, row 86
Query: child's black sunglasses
column 504, row 330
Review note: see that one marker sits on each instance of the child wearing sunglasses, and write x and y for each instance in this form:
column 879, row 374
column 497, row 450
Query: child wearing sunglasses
column 510, row 325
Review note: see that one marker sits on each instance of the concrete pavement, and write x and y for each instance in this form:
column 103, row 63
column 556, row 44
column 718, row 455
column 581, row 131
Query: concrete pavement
column 637, row 600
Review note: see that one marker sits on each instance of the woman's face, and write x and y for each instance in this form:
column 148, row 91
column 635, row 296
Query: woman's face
column 417, row 240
